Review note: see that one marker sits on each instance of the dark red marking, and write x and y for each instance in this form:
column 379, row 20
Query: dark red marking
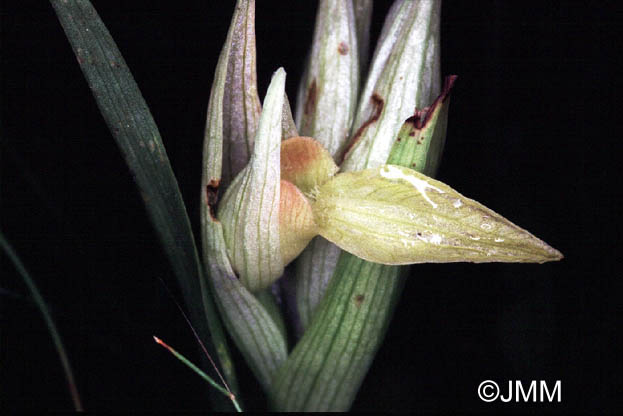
column 421, row 117
column 378, row 103
column 359, row 300
column 212, row 197
column 310, row 101
column 342, row 48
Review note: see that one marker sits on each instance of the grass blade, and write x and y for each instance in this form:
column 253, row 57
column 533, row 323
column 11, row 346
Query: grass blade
column 135, row 131
column 197, row 370
column 49, row 322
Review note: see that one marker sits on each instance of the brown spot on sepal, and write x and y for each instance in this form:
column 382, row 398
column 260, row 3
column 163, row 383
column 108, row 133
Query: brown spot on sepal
column 359, row 300
column 310, row 101
column 378, row 104
column 343, row 48
column 212, row 197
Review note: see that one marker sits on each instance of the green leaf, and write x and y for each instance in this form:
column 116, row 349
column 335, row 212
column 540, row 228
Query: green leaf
column 404, row 75
column 137, row 136
column 331, row 81
column 395, row 215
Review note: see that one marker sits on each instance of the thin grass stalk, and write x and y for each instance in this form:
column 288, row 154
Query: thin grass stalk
column 201, row 374
column 49, row 322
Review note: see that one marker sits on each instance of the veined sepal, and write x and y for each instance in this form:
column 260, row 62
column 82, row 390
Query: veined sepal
column 249, row 209
column 234, row 107
column 394, row 215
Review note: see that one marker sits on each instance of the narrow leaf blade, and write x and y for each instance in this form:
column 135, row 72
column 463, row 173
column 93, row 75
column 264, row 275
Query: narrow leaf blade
column 47, row 317
column 134, row 129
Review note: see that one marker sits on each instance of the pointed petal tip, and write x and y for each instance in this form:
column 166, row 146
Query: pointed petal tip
column 537, row 251
column 552, row 254
column 540, row 251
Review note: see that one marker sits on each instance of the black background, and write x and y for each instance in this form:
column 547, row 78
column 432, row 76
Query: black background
column 532, row 134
